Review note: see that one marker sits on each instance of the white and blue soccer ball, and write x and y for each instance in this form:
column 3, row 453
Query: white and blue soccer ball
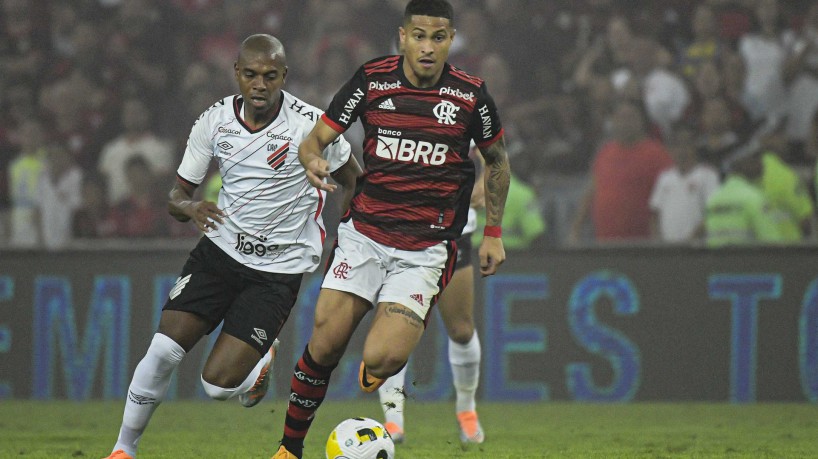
column 360, row 438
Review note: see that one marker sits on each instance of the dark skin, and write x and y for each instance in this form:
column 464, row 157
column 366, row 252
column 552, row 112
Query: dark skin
column 260, row 72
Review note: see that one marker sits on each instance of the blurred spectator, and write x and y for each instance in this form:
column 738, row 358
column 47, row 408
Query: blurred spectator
column 802, row 71
column 733, row 17
column 622, row 178
column 523, row 223
column 23, row 42
column 764, row 56
column 60, row 195
column 91, row 219
column 718, row 139
column 141, row 212
column 679, row 199
column 24, row 176
column 706, row 45
column 664, row 94
column 709, row 85
column 738, row 213
column 74, row 105
column 555, row 70
column 788, row 196
column 136, row 140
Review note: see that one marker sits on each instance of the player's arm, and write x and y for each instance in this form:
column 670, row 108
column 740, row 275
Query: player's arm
column 496, row 179
column 311, row 157
column 347, row 176
column 182, row 206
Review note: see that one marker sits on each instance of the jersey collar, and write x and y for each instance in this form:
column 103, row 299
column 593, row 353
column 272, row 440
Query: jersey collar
column 238, row 102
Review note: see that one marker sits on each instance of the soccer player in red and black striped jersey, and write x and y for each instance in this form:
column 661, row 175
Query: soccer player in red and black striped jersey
column 395, row 248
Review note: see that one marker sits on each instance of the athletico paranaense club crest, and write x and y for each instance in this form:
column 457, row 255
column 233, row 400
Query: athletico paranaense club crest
column 276, row 158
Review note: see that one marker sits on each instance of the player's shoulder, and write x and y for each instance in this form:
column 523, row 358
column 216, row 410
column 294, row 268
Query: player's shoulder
column 382, row 64
column 460, row 74
column 219, row 108
column 297, row 110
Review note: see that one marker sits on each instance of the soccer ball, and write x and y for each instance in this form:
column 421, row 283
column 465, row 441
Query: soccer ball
column 360, row 438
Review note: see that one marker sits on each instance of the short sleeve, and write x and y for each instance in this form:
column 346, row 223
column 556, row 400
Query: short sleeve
column 198, row 153
column 348, row 103
column 485, row 127
column 337, row 153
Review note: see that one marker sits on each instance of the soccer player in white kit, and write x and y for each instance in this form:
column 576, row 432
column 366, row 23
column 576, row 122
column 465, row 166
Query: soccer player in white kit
column 263, row 235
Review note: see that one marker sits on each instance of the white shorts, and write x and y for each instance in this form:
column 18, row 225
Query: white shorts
column 379, row 273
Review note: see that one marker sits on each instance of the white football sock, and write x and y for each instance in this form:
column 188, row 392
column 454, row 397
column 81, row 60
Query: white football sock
column 392, row 397
column 465, row 362
column 220, row 393
column 147, row 390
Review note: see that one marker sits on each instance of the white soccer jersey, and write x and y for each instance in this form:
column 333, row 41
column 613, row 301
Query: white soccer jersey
column 273, row 215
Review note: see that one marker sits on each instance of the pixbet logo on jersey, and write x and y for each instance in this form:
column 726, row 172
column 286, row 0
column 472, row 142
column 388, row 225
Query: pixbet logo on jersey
column 409, row 151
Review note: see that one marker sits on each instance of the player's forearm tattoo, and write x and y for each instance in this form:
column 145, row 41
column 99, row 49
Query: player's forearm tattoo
column 498, row 176
column 398, row 309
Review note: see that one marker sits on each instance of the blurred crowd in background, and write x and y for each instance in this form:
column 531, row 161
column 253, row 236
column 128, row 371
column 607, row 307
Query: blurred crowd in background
column 663, row 121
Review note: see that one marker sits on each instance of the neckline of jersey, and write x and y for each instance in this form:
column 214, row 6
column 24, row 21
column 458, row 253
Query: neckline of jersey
column 238, row 102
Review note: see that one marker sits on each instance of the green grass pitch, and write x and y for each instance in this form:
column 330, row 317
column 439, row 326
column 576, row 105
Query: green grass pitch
column 207, row 429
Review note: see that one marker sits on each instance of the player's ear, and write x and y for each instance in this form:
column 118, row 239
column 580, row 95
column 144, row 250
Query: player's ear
column 401, row 37
column 284, row 75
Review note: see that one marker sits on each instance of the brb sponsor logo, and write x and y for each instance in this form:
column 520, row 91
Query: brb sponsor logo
column 258, row 248
column 409, row 151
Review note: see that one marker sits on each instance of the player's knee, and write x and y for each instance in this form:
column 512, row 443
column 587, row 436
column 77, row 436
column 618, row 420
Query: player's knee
column 383, row 365
column 217, row 392
column 461, row 333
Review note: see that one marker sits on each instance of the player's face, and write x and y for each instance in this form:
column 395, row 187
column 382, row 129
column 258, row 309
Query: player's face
column 425, row 41
column 260, row 77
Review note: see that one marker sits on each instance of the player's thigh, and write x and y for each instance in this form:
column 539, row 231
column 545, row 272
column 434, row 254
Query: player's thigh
column 337, row 315
column 393, row 335
column 456, row 305
column 184, row 328
column 201, row 296
column 230, row 361
column 261, row 308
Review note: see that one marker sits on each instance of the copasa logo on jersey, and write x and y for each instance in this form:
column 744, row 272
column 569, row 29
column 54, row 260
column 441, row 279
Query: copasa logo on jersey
column 392, row 146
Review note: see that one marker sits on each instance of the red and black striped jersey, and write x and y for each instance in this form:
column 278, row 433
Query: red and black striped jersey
column 418, row 176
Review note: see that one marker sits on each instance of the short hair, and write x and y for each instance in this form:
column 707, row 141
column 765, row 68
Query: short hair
column 433, row 8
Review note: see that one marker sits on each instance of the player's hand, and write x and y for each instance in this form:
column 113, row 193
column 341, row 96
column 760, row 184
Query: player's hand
column 318, row 170
column 492, row 255
column 206, row 214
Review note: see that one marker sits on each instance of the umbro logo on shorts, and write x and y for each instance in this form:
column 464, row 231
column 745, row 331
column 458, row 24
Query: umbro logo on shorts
column 259, row 335
column 180, row 284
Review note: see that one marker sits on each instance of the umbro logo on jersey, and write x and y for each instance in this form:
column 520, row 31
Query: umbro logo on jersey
column 276, row 159
column 224, row 145
column 387, row 105
column 180, row 284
